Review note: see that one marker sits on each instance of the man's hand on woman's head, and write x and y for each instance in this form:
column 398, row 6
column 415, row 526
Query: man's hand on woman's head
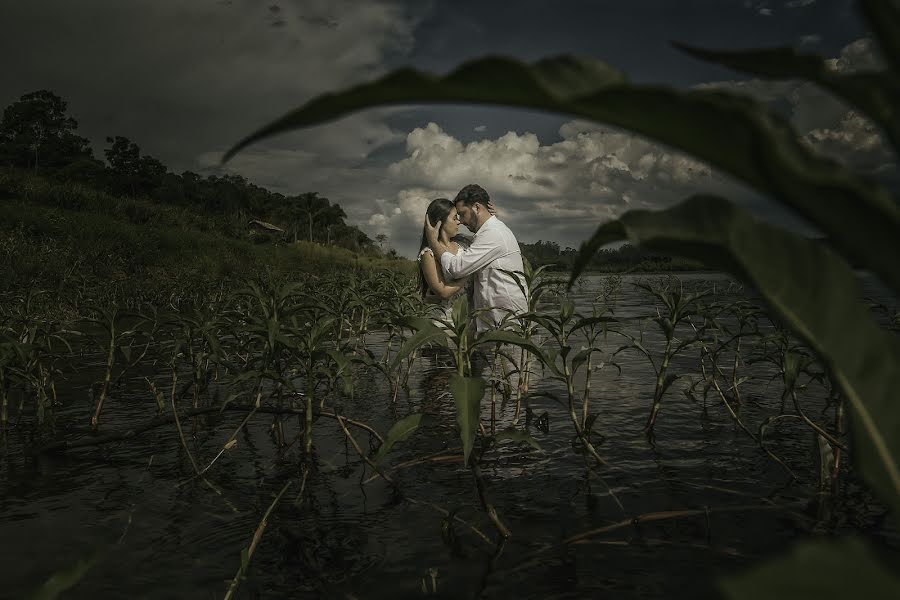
column 432, row 231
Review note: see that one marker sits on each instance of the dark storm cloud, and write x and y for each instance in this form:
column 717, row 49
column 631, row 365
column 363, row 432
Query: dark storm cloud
column 185, row 78
column 634, row 36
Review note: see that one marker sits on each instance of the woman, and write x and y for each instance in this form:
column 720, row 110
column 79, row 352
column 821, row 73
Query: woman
column 434, row 287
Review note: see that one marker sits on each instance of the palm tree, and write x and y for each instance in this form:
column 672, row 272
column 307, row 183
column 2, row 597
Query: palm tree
column 313, row 207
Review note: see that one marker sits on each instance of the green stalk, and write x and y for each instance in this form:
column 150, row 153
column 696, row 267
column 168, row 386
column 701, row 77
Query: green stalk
column 658, row 390
column 587, row 393
column 502, row 529
column 4, row 402
column 838, row 452
column 579, row 430
column 254, row 542
column 307, row 429
column 104, row 390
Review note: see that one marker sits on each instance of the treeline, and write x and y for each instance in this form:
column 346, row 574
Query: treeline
column 39, row 137
column 616, row 260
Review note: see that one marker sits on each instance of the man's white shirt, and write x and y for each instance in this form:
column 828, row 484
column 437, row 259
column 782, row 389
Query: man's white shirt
column 493, row 250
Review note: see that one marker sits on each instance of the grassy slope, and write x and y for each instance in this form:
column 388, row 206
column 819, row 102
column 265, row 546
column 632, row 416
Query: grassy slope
column 61, row 236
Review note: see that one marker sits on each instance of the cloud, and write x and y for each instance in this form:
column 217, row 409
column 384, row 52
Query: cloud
column 810, row 39
column 854, row 141
column 217, row 73
column 559, row 191
column 859, row 55
column 827, row 124
column 563, row 190
column 480, row 128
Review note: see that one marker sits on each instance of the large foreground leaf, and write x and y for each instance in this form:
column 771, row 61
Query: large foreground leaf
column 816, row 570
column 467, row 393
column 493, row 80
column 876, row 93
column 65, row 579
column 810, row 289
column 733, row 133
column 883, row 17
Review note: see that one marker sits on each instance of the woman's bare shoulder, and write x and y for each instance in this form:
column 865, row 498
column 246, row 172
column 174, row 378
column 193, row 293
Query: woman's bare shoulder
column 426, row 251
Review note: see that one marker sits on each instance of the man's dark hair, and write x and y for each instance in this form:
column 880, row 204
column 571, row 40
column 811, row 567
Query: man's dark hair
column 471, row 194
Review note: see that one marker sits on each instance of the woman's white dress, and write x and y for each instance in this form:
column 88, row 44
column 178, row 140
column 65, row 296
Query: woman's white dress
column 444, row 309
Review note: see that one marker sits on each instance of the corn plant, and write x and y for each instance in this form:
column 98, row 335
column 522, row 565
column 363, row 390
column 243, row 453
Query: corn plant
column 564, row 361
column 124, row 338
column 467, row 389
column 677, row 308
column 30, row 351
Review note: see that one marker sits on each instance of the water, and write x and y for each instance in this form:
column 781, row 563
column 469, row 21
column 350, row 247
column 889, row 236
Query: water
column 156, row 536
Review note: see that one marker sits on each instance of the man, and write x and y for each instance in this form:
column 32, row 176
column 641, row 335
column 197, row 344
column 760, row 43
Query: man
column 493, row 251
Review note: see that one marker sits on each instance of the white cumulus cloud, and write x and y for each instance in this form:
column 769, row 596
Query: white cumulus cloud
column 559, row 191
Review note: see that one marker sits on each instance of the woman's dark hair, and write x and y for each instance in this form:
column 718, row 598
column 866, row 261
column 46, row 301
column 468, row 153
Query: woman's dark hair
column 437, row 212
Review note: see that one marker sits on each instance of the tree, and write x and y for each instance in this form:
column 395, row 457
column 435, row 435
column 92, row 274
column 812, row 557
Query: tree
column 86, row 170
column 36, row 131
column 134, row 173
column 312, row 207
column 382, row 239
column 333, row 216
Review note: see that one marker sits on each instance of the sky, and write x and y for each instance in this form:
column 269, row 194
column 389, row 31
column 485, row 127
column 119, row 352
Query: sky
column 187, row 80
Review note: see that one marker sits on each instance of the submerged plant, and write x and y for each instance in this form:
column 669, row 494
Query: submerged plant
column 678, row 306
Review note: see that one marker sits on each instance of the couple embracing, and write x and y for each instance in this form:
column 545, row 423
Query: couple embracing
column 450, row 262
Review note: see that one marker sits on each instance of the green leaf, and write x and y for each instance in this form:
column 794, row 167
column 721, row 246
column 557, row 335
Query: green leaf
column 65, row 579
column 883, row 17
column 344, row 370
column 844, row 206
column 816, row 570
column 508, row 337
column 459, row 315
column 581, row 357
column 467, row 393
column 401, row 430
column 427, row 335
column 592, row 321
column 517, row 435
column 861, row 356
column 493, row 80
column 231, row 398
column 874, row 93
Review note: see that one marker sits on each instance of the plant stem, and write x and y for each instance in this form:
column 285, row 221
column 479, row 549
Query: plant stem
column 486, row 503
column 104, row 389
column 254, row 542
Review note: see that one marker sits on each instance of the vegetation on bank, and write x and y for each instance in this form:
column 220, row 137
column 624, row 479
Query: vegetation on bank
column 68, row 238
column 38, row 137
column 132, row 231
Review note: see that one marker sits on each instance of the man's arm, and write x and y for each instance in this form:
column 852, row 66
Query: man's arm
column 436, row 285
column 483, row 250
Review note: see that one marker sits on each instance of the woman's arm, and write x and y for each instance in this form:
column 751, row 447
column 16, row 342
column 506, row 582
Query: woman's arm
column 433, row 280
